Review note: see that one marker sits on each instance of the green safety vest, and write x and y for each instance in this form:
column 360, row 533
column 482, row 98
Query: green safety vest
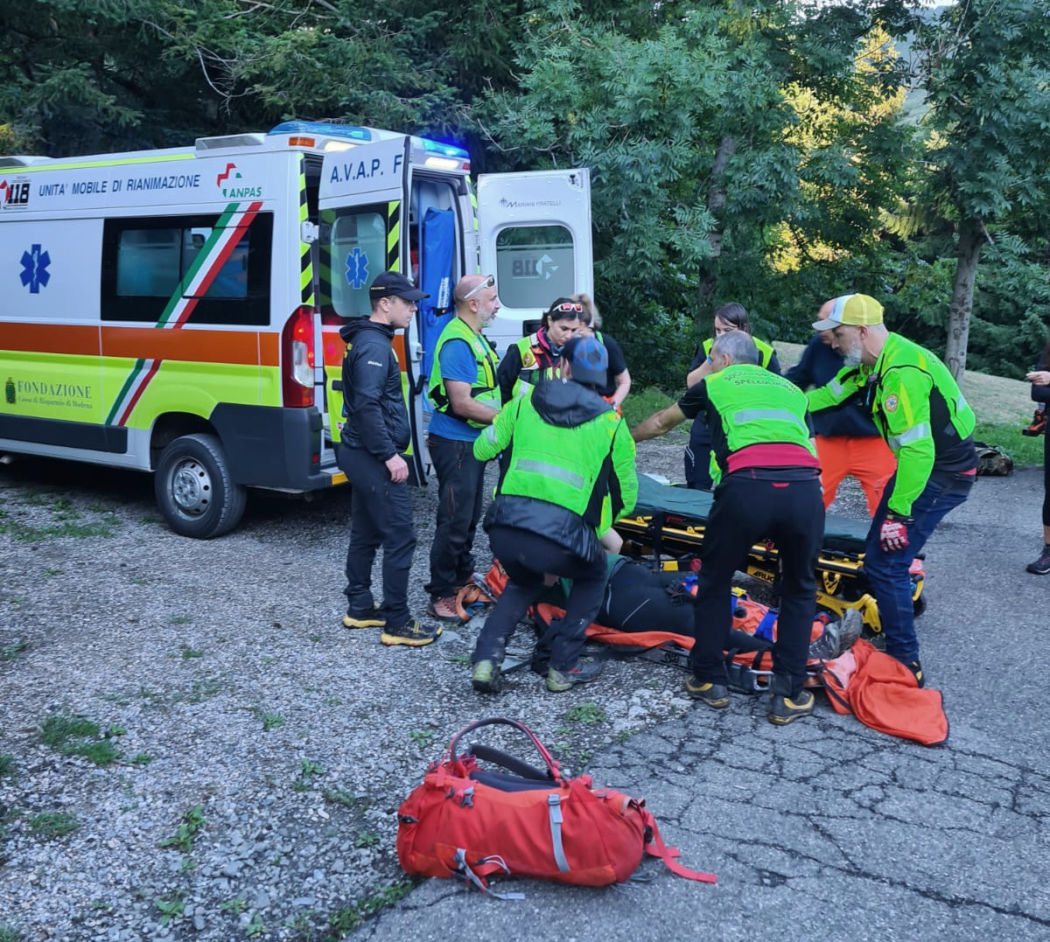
column 531, row 373
column 484, row 388
column 757, row 407
column 912, row 387
column 555, row 464
column 765, row 350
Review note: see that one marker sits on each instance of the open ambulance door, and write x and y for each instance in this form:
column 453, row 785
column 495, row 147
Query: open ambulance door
column 534, row 230
column 364, row 200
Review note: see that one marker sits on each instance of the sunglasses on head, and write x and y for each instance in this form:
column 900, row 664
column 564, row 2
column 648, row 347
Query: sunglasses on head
column 568, row 307
column 489, row 282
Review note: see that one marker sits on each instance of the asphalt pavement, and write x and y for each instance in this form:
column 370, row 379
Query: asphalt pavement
column 826, row 828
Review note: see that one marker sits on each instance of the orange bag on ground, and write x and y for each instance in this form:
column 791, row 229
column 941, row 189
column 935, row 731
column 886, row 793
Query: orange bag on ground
column 884, row 695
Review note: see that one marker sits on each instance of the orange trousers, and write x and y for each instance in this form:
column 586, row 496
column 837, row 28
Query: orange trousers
column 868, row 459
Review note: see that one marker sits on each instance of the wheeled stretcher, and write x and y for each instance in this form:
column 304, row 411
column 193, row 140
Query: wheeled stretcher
column 669, row 522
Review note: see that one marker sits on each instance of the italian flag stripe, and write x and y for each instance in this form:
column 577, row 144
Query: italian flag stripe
column 229, row 229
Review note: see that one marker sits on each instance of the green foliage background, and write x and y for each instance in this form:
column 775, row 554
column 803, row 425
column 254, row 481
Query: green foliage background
column 775, row 153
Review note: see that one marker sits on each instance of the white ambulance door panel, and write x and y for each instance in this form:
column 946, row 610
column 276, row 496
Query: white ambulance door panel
column 364, row 203
column 534, row 230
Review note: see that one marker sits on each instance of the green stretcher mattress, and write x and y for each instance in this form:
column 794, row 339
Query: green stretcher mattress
column 692, row 508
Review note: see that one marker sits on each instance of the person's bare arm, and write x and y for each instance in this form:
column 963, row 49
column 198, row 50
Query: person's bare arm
column 464, row 406
column 659, row 423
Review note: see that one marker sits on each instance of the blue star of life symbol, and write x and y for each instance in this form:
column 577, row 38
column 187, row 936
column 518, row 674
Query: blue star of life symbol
column 34, row 268
column 357, row 268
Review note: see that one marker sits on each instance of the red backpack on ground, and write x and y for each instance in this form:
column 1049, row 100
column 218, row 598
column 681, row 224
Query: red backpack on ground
column 516, row 819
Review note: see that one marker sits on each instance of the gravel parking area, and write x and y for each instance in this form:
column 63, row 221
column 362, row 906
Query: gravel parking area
column 192, row 746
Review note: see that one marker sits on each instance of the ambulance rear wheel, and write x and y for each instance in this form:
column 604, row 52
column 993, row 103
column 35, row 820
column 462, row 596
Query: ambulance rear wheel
column 195, row 490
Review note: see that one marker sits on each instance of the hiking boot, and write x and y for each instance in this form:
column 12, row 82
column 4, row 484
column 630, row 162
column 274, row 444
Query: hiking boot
column 444, row 609
column 412, row 633
column 586, row 670
column 784, row 710
column 916, row 668
column 1042, row 565
column 715, row 696
column 827, row 645
column 370, row 619
column 486, row 677
column 850, row 629
column 838, row 637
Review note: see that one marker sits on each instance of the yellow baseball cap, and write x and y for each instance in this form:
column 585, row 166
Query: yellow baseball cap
column 855, row 310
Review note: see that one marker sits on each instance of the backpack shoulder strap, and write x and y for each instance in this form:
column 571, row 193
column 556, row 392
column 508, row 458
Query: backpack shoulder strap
column 655, row 847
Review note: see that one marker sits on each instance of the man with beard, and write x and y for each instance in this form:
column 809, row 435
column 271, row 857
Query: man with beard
column 920, row 412
column 466, row 399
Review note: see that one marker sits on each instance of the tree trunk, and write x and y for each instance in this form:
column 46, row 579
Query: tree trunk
column 971, row 238
column 707, row 284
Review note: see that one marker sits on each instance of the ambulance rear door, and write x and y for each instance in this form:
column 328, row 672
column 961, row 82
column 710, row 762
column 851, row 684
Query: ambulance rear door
column 363, row 202
column 534, row 230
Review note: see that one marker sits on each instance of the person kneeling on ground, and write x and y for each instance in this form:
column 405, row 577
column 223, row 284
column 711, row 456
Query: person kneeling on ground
column 565, row 450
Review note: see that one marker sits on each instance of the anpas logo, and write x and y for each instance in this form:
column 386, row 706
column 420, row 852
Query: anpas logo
column 14, row 194
column 228, row 185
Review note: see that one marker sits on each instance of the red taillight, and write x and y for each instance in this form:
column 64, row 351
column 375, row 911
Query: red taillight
column 297, row 359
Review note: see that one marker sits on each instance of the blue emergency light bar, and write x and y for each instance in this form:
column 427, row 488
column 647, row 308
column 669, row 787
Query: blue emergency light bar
column 445, row 150
column 348, row 131
column 357, row 133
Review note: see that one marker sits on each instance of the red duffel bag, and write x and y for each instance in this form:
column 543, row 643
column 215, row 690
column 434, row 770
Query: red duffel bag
column 469, row 822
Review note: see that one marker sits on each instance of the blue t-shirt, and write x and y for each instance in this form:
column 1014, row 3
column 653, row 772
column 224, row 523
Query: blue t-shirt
column 457, row 363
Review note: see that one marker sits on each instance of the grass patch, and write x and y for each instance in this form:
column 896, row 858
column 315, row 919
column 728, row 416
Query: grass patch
column 422, row 737
column 66, row 521
column 269, row 720
column 79, row 736
column 349, row 918
column 186, row 833
column 187, row 653
column 308, row 771
column 170, row 909
column 7, row 765
column 7, row 934
column 8, row 652
column 339, row 797
column 586, row 713
column 1025, row 450
column 640, row 405
column 50, row 825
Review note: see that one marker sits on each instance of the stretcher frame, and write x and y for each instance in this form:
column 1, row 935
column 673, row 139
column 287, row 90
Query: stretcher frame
column 671, row 521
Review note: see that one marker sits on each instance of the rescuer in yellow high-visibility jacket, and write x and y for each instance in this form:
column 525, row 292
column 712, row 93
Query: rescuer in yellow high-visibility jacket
column 566, row 454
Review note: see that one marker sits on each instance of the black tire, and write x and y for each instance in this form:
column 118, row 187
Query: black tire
column 918, row 606
column 194, row 489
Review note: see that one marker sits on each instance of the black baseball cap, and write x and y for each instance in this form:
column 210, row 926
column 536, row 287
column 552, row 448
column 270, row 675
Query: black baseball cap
column 392, row 284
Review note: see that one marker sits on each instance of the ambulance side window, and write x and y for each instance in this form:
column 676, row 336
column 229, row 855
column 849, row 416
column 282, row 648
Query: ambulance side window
column 156, row 268
column 534, row 265
column 353, row 251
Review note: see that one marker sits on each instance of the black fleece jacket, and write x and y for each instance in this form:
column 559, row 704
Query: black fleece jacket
column 376, row 418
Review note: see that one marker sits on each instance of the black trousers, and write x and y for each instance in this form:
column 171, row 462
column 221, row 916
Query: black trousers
column 747, row 510
column 460, row 492
column 380, row 515
column 527, row 556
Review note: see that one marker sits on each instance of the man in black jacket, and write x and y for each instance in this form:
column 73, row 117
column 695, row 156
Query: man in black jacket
column 375, row 433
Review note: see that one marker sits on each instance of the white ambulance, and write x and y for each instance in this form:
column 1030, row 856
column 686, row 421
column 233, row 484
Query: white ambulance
column 178, row 311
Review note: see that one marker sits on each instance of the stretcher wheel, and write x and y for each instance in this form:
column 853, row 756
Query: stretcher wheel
column 918, row 605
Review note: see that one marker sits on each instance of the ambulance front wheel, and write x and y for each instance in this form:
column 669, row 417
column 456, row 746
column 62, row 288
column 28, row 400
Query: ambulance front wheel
column 195, row 491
